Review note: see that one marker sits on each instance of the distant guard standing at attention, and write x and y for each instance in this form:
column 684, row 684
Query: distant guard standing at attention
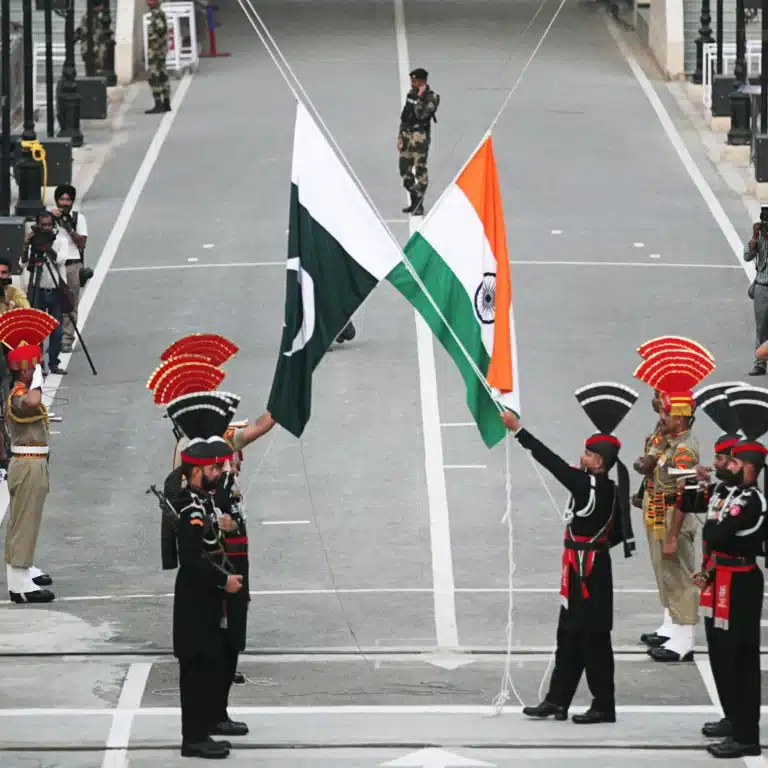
column 157, row 51
column 597, row 519
column 735, row 583
column 414, row 138
column 27, row 420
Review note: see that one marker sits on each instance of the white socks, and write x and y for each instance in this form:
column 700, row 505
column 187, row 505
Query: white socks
column 665, row 630
column 34, row 572
column 681, row 639
column 20, row 580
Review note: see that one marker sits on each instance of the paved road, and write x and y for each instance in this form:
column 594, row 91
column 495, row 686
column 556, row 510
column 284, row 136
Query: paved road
column 599, row 210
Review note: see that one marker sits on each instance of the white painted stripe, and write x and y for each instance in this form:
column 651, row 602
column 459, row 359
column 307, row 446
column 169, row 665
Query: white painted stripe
column 464, row 466
column 109, row 251
column 158, row 267
column 446, row 628
column 129, row 703
column 285, row 522
column 719, row 214
column 345, row 214
column 460, row 709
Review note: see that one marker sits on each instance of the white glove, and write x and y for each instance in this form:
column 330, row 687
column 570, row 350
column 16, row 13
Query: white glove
column 37, row 378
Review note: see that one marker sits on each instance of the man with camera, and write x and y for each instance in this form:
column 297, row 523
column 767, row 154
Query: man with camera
column 757, row 250
column 70, row 247
column 46, row 287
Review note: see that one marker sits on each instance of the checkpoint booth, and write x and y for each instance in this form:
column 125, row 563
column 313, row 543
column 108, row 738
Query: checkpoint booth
column 183, row 47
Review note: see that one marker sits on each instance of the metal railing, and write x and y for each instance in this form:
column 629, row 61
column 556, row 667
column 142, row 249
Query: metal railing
column 17, row 73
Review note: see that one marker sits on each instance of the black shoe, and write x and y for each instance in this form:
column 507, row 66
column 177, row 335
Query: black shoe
column 156, row 110
column 57, row 371
column 419, row 209
column 238, row 679
column 653, row 639
column 167, row 105
column 220, row 743
column 592, row 716
column 732, row 749
column 414, row 202
column 347, row 334
column 757, row 370
column 546, row 709
column 38, row 596
column 43, row 580
column 664, row 654
column 720, row 729
column 210, row 749
column 229, row 728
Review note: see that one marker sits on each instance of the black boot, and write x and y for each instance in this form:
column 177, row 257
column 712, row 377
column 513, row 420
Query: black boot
column 414, row 202
column 546, row 709
column 592, row 716
column 347, row 334
column 167, row 105
column 157, row 109
column 720, row 729
column 730, row 749
column 229, row 728
column 419, row 208
column 210, row 749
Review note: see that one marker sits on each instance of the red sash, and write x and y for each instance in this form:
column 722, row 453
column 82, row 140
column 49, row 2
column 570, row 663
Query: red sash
column 236, row 546
column 707, row 596
column 581, row 561
column 724, row 570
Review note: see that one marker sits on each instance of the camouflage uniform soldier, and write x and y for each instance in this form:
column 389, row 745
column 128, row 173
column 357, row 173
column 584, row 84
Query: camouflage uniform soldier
column 413, row 139
column 157, row 50
column 81, row 34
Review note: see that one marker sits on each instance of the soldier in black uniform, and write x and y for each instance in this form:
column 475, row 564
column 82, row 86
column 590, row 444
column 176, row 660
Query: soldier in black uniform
column 735, row 581
column 597, row 519
column 198, row 609
column 701, row 495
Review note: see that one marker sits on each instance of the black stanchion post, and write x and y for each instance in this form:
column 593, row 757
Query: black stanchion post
column 739, row 133
column 49, row 98
column 705, row 36
column 107, row 39
column 719, row 39
column 761, row 140
column 5, row 96
column 69, row 95
column 29, row 172
column 90, row 54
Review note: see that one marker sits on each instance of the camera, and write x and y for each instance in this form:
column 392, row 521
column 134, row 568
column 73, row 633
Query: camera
column 86, row 273
column 41, row 238
column 4, row 281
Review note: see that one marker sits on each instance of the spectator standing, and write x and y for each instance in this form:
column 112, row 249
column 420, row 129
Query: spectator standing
column 757, row 250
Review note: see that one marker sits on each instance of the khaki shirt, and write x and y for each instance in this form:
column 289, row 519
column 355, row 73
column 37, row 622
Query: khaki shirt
column 680, row 452
column 26, row 426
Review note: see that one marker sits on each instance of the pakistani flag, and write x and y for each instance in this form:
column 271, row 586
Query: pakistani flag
column 338, row 252
column 460, row 256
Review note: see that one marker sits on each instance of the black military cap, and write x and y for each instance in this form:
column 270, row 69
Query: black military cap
column 205, row 453
column 420, row 74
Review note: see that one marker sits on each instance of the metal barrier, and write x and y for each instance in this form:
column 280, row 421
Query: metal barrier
column 753, row 53
column 183, row 44
column 17, row 73
column 58, row 53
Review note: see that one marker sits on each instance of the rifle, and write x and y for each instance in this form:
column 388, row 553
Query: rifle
column 169, row 522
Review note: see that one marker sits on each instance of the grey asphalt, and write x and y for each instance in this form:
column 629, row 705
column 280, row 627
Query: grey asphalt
column 580, row 151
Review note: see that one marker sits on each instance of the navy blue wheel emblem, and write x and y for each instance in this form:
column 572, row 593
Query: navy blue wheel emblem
column 485, row 299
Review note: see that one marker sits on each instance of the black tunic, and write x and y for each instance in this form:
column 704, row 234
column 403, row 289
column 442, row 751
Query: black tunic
column 198, row 603
column 227, row 500
column 591, row 507
column 741, row 532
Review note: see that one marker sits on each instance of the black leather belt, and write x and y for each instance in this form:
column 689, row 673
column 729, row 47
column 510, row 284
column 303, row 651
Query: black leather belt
column 733, row 562
column 584, row 546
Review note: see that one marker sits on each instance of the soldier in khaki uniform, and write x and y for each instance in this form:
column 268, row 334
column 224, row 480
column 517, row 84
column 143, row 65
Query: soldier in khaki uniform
column 27, row 419
column 673, row 366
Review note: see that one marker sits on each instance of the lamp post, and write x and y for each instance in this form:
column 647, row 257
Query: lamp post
column 761, row 140
column 69, row 95
column 5, row 97
column 108, row 43
column 705, row 36
column 48, row 17
column 29, row 172
column 740, row 103
column 719, row 39
column 90, row 53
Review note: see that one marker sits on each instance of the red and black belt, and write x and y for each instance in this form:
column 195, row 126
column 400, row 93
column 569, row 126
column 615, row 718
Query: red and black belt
column 236, row 546
column 579, row 553
column 715, row 599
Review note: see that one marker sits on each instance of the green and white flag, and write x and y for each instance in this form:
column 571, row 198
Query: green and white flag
column 338, row 252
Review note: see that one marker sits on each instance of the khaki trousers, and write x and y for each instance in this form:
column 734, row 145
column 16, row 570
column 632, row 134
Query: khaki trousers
column 677, row 592
column 73, row 281
column 28, row 488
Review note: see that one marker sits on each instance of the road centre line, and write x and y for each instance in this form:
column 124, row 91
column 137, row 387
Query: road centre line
column 524, row 263
column 129, row 703
column 109, row 251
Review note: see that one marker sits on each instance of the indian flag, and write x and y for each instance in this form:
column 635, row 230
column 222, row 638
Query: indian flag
column 460, row 255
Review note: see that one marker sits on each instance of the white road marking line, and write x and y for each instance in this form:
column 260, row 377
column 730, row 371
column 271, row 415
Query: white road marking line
column 557, row 231
column 719, row 214
column 639, row 245
column 129, row 703
column 446, row 628
column 158, row 267
column 110, row 248
column 437, row 709
column 523, row 263
column 193, row 259
column 655, row 256
column 285, row 522
column 464, row 466
column 208, row 245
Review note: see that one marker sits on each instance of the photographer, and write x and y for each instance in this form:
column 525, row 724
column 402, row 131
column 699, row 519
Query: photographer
column 757, row 249
column 46, row 288
column 70, row 247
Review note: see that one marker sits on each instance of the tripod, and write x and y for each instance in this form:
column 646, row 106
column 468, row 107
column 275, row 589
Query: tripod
column 38, row 260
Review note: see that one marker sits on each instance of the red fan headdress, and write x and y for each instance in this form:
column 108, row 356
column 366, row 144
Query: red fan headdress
column 23, row 331
column 674, row 373
column 160, row 370
column 214, row 348
column 671, row 344
column 183, row 378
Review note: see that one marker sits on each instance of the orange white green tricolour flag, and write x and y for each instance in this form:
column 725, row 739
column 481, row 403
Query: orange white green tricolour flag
column 461, row 259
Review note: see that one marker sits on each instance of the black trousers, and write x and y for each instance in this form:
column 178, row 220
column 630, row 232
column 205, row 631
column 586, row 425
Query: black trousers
column 228, row 669
column 201, row 686
column 576, row 653
column 736, row 669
